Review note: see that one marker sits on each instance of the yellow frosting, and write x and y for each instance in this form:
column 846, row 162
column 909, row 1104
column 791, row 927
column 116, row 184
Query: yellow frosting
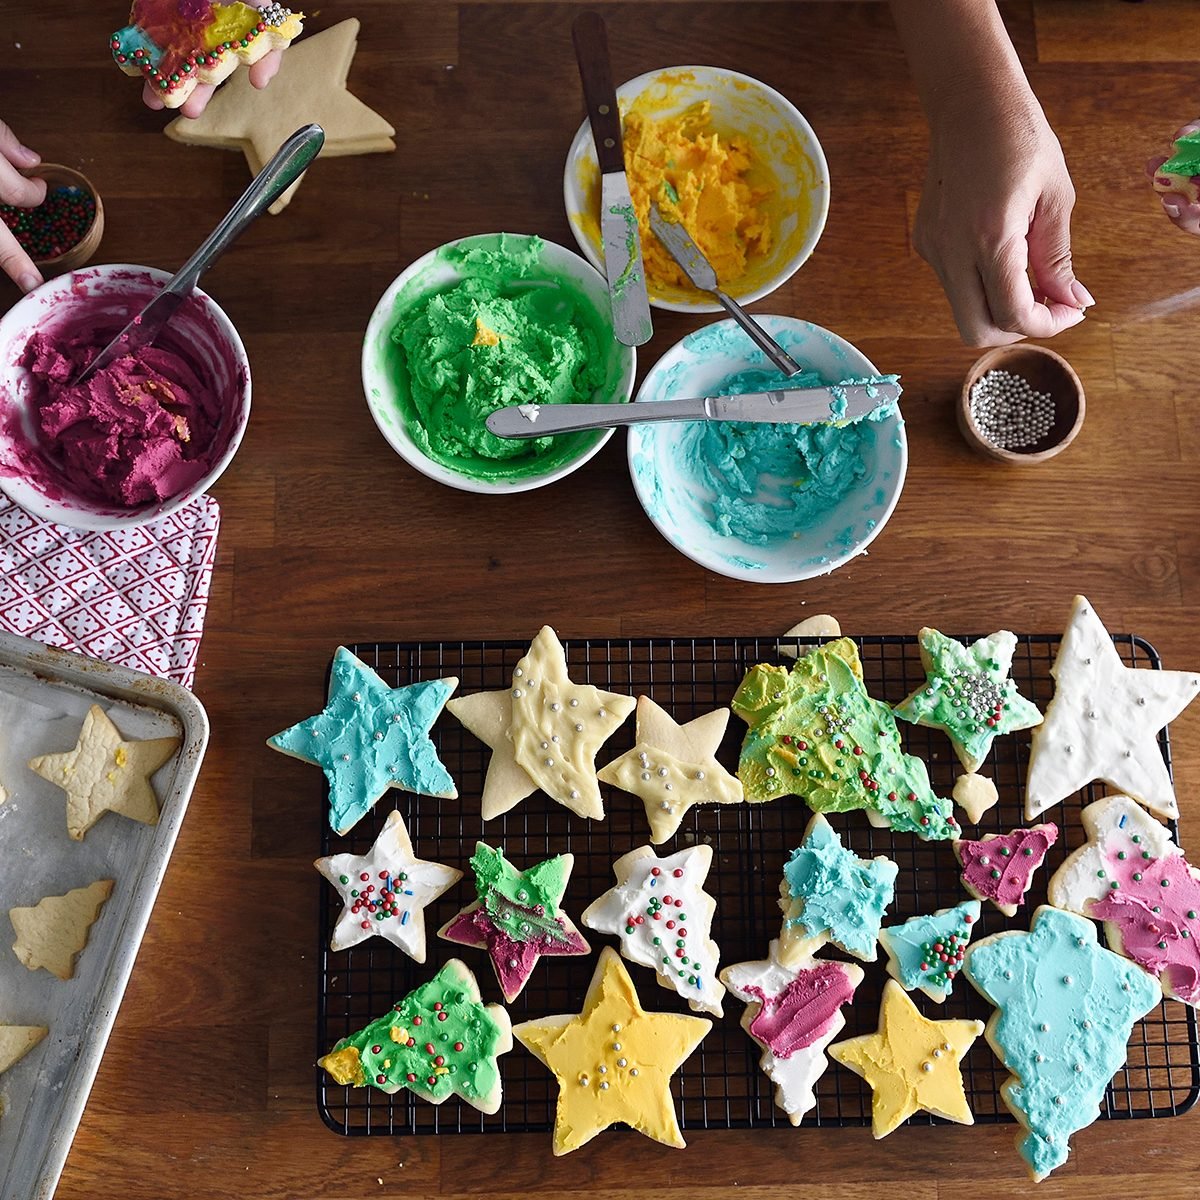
column 344, row 1066
column 483, row 335
column 231, row 23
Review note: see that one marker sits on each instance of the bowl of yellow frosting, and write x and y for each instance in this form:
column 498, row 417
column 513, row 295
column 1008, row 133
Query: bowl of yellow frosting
column 726, row 155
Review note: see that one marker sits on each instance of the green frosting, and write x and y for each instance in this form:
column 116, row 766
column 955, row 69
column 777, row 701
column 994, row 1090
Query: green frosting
column 521, row 904
column 1186, row 159
column 489, row 342
column 816, row 733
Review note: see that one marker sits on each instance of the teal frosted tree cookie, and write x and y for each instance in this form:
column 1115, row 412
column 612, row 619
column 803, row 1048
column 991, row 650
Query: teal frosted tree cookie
column 816, row 733
column 968, row 693
column 927, row 952
column 1065, row 1007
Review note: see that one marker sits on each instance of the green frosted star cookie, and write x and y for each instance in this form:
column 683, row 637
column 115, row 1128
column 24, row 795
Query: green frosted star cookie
column 816, row 733
column 967, row 693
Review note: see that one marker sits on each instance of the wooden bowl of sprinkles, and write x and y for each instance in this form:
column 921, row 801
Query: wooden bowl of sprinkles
column 1020, row 404
column 86, row 239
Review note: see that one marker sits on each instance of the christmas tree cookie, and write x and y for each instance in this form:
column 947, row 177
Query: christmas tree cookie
column 56, row 929
column 912, row 1064
column 1181, row 172
column 793, row 1013
column 371, row 737
column 518, row 917
column 613, row 1060
column 663, row 916
column 439, row 1041
column 1000, row 866
column 544, row 732
column 1131, row 875
column 1065, row 1007
column 672, row 767
column 815, row 733
column 386, row 891
column 830, row 894
column 1103, row 722
column 927, row 952
column 968, row 693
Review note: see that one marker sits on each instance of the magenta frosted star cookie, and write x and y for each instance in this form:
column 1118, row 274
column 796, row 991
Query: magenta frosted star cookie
column 1000, row 866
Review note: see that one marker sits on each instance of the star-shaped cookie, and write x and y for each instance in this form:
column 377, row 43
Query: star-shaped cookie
column 793, row 1013
column 544, row 732
column 518, row 917
column 105, row 773
column 828, row 893
column 386, row 891
column 663, row 916
column 968, row 693
column 370, row 737
column 1103, row 722
column 672, row 766
column 16, row 1041
column 912, row 1064
column 310, row 86
column 613, row 1060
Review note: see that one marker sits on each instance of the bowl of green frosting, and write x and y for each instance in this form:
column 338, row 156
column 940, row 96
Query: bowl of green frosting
column 762, row 502
column 483, row 323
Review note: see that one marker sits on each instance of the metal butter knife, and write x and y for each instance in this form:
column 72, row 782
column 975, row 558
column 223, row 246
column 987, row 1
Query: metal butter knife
column 790, row 406
column 618, row 221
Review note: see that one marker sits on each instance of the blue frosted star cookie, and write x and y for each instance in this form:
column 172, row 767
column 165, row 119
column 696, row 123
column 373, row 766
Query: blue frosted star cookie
column 927, row 952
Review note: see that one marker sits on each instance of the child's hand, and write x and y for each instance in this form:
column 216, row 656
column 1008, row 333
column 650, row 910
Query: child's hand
column 1179, row 206
column 27, row 193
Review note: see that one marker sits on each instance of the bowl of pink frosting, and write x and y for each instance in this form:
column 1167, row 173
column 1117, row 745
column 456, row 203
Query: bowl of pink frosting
column 141, row 437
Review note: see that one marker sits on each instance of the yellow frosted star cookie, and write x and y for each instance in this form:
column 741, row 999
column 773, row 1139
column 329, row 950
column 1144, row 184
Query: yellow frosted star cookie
column 56, row 929
column 912, row 1064
column 613, row 1060
column 544, row 732
column 104, row 773
column 16, row 1041
column 673, row 766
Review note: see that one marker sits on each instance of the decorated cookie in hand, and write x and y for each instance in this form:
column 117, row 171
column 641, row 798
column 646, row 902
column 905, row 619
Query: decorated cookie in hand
column 1177, row 179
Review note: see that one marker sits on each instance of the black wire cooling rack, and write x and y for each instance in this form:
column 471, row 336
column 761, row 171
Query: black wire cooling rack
column 721, row 1085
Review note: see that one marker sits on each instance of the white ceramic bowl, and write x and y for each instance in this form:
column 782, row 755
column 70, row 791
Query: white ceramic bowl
column 116, row 291
column 385, row 377
column 784, row 141
column 678, row 498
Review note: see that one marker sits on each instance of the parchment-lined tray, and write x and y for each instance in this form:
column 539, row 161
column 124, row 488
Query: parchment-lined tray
column 44, row 694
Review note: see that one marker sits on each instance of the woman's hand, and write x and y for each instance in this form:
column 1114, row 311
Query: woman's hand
column 1179, row 206
column 26, row 193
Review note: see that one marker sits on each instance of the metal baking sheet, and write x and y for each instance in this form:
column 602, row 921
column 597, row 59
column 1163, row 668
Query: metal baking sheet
column 44, row 694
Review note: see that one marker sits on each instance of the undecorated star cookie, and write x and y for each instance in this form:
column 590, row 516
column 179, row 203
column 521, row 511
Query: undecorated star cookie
column 999, row 867
column 544, row 732
column 830, row 894
column 1131, row 875
column 371, row 737
column 439, row 1041
column 613, row 1060
column 1103, row 722
column 927, row 952
column 16, row 1041
column 911, row 1063
column 672, row 767
column 793, row 1013
column 104, row 773
column 968, row 693
column 814, row 732
column 386, row 891
column 56, row 929
column 1065, row 1007
column 975, row 795
column 518, row 916
column 663, row 917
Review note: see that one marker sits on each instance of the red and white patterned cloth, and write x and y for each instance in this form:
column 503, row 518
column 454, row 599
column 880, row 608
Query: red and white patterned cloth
column 134, row 597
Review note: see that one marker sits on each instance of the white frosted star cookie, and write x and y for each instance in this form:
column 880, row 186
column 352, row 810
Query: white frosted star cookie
column 544, row 732
column 1103, row 722
column 663, row 917
column 386, row 891
column 56, row 929
column 672, row 767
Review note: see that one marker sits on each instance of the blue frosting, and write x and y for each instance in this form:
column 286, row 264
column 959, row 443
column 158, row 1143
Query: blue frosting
column 1066, row 1009
column 370, row 737
column 907, row 945
column 132, row 38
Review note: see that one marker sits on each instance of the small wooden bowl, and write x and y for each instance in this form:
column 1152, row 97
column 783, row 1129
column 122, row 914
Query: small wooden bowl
column 57, row 176
column 1045, row 371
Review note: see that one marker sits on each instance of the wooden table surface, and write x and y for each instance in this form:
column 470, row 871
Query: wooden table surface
column 206, row 1089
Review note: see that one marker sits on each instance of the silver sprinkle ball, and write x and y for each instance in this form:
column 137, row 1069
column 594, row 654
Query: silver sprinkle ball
column 1010, row 412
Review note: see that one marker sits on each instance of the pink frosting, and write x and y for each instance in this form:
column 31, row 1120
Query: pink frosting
column 514, row 961
column 803, row 1011
column 980, row 859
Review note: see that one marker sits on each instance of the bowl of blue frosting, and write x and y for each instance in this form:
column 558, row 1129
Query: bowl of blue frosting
column 756, row 501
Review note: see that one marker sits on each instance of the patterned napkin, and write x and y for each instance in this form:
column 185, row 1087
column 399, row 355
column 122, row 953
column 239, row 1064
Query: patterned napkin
column 134, row 597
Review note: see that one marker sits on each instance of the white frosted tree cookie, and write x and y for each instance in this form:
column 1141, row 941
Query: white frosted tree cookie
column 56, row 929
column 1103, row 722
column 673, row 767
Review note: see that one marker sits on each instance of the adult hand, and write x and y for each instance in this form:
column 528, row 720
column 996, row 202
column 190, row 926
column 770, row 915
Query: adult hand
column 26, row 193
column 1179, row 206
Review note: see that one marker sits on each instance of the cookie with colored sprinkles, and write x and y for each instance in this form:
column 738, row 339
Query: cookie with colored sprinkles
column 439, row 1041
column 927, row 952
column 814, row 732
column 1181, row 172
column 518, row 916
column 999, row 867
